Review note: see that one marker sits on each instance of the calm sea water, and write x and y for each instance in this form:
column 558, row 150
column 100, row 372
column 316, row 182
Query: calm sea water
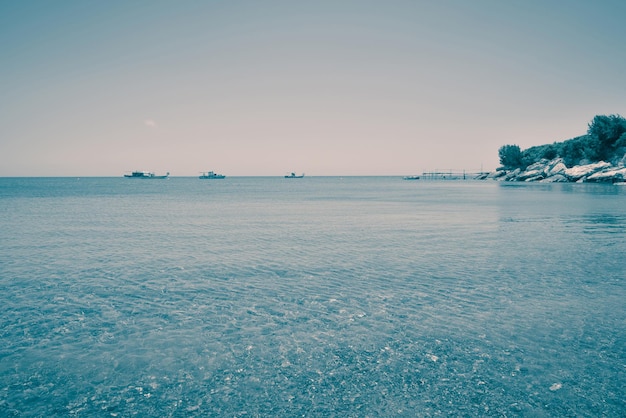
column 345, row 297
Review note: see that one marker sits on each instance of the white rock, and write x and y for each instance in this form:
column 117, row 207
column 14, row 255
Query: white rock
column 556, row 386
column 580, row 171
column 607, row 176
column 531, row 174
column 497, row 174
column 558, row 168
column 557, row 178
column 539, row 165
column 553, row 163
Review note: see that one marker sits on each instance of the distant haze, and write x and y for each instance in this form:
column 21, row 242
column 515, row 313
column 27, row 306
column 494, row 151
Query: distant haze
column 321, row 87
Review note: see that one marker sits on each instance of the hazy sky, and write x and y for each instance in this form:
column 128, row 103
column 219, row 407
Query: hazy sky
column 98, row 88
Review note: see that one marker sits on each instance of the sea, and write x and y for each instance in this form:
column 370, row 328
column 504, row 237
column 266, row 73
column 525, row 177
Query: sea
column 312, row 297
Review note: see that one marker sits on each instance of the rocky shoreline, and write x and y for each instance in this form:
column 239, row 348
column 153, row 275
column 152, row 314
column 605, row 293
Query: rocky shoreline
column 555, row 171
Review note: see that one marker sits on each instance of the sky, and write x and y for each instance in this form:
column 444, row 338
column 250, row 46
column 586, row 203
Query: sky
column 263, row 88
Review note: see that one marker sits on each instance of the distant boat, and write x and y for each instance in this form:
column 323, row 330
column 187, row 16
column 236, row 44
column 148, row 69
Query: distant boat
column 145, row 175
column 294, row 176
column 411, row 178
column 212, row 175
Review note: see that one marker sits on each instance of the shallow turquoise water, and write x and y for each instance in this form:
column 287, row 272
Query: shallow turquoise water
column 356, row 296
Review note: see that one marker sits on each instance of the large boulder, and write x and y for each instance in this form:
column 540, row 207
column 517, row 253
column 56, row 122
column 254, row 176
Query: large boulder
column 512, row 176
column 555, row 171
column 612, row 175
column 538, row 177
column 557, row 178
column 531, row 175
column 497, row 175
column 556, row 166
column 543, row 169
column 539, row 165
column 579, row 172
column 533, row 172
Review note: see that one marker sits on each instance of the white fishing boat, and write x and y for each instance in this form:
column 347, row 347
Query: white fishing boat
column 294, row 176
column 212, row 175
column 145, row 175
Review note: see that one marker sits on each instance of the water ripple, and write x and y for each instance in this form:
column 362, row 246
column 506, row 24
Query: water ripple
column 358, row 297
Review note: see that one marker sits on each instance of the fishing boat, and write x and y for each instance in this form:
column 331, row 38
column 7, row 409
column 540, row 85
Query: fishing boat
column 145, row 175
column 212, row 175
column 411, row 177
column 294, row 176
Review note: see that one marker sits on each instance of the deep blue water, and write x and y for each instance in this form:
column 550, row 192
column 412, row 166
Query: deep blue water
column 344, row 297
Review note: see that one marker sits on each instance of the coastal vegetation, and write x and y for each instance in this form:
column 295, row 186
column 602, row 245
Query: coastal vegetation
column 597, row 156
column 605, row 141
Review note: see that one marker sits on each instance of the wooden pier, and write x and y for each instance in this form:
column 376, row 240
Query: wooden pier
column 453, row 175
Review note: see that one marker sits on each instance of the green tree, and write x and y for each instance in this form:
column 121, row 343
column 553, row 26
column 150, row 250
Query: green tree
column 550, row 152
column 510, row 156
column 603, row 132
column 572, row 151
column 605, row 140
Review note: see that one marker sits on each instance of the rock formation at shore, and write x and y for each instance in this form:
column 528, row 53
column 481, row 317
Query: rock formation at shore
column 555, row 171
column 599, row 156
